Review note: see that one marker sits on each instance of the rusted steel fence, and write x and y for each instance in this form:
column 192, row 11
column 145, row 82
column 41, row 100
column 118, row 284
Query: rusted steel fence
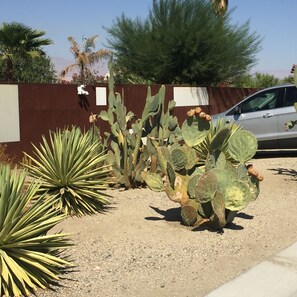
column 44, row 107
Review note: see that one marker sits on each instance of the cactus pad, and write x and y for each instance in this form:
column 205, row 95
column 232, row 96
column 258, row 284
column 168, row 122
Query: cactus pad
column 242, row 146
column 170, row 174
column 194, row 131
column 192, row 185
column 218, row 206
column 189, row 215
column 206, row 187
column 237, row 195
column 179, row 159
column 154, row 182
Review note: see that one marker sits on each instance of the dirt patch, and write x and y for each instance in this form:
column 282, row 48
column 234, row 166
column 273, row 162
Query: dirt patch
column 139, row 247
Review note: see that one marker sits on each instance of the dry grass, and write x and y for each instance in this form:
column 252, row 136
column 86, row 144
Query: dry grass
column 5, row 158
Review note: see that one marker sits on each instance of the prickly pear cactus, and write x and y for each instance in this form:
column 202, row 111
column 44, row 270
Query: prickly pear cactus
column 208, row 174
column 131, row 152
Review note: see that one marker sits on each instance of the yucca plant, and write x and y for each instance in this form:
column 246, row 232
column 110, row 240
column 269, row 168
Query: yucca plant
column 28, row 255
column 71, row 169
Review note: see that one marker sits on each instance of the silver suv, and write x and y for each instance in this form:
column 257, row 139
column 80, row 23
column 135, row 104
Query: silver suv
column 265, row 114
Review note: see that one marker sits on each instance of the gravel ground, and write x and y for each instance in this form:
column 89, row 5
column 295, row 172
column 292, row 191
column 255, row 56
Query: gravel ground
column 139, row 248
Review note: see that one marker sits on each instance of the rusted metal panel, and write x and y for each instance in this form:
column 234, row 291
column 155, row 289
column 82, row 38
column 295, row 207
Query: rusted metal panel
column 221, row 99
column 45, row 107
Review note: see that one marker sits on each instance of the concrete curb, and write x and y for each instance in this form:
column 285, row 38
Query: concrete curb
column 276, row 277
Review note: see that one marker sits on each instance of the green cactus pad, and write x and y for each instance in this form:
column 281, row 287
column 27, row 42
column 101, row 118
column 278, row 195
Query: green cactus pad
column 206, row 187
column 253, row 184
column 218, row 206
column 194, row 130
column 170, row 174
column 242, row 146
column 189, row 215
column 237, row 195
column 242, row 172
column 191, row 156
column 192, row 185
column 163, row 157
column 179, row 159
column 154, row 182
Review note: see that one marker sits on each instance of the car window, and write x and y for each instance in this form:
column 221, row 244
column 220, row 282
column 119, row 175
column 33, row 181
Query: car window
column 262, row 101
column 290, row 96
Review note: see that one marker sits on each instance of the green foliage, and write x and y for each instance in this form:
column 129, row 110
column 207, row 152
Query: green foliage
column 183, row 42
column 32, row 70
column 5, row 158
column 132, row 152
column 257, row 80
column 29, row 257
column 207, row 175
column 71, row 169
column 18, row 40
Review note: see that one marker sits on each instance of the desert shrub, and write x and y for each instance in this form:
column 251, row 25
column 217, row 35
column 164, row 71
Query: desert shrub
column 70, row 167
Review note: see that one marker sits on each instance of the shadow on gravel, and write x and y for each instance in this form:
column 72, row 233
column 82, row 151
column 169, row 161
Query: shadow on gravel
column 270, row 154
column 171, row 215
column 245, row 216
column 285, row 171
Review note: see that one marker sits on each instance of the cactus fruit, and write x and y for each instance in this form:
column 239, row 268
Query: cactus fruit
column 199, row 113
column 253, row 172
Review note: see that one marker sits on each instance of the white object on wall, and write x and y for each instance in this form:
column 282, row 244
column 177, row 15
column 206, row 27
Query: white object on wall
column 81, row 90
column 101, row 96
column 9, row 113
column 190, row 96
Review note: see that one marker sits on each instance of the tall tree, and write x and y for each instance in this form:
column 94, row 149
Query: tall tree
column 85, row 56
column 183, row 41
column 18, row 40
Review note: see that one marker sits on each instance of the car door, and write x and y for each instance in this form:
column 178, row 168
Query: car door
column 258, row 114
column 287, row 138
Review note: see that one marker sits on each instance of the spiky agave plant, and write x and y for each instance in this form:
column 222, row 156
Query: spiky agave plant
column 71, row 169
column 28, row 255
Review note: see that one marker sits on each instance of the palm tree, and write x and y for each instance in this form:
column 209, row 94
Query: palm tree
column 19, row 40
column 85, row 56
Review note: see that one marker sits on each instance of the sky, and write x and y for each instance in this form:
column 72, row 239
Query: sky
column 273, row 20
